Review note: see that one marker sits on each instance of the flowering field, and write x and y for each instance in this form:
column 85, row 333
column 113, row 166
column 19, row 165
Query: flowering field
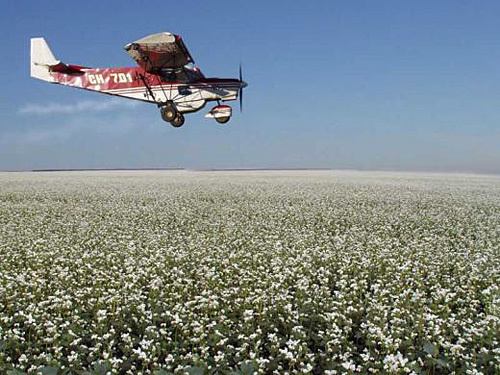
column 243, row 272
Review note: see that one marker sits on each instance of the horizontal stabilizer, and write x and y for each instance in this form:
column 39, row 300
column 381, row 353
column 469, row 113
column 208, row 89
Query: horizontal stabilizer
column 61, row 67
column 43, row 62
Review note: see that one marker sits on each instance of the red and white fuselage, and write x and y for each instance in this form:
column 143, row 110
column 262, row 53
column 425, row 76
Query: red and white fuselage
column 135, row 83
column 186, row 87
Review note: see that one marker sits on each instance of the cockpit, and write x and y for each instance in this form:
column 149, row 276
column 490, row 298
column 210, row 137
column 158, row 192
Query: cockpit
column 187, row 73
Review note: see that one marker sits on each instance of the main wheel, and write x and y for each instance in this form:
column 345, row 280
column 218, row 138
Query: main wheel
column 222, row 120
column 169, row 112
column 178, row 121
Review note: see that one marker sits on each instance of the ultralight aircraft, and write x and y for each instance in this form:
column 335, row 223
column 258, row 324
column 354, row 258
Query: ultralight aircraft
column 165, row 76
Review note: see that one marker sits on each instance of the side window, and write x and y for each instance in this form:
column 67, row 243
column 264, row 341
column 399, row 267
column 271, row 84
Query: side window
column 169, row 77
column 184, row 90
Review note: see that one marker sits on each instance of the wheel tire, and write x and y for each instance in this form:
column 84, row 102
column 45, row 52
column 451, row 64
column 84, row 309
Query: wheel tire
column 178, row 121
column 222, row 120
column 169, row 113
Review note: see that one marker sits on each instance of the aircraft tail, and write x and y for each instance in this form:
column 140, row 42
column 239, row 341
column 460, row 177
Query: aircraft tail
column 42, row 59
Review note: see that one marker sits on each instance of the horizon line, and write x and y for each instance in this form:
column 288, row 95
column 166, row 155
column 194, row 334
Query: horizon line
column 41, row 170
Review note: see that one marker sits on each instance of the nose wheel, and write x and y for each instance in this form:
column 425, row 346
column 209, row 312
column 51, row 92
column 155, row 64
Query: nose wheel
column 221, row 113
column 222, row 120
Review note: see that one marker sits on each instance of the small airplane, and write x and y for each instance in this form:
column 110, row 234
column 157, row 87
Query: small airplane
column 165, row 76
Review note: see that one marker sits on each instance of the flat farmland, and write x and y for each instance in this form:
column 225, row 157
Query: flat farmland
column 243, row 272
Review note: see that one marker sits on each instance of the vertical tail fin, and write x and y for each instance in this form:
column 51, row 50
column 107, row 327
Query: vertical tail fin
column 41, row 59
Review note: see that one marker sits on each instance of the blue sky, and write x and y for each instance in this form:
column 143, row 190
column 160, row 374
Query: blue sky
column 392, row 85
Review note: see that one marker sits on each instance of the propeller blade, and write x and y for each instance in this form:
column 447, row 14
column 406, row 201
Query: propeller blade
column 241, row 90
column 241, row 99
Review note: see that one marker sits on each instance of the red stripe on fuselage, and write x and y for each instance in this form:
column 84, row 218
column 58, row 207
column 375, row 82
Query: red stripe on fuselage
column 111, row 79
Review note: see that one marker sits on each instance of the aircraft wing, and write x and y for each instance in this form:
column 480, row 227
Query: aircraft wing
column 159, row 51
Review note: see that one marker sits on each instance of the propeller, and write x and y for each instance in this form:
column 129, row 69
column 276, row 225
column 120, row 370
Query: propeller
column 240, row 94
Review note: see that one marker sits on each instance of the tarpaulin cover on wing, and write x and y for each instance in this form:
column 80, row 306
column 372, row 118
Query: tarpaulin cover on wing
column 159, row 51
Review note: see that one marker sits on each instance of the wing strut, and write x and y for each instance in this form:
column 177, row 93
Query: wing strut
column 150, row 92
column 143, row 78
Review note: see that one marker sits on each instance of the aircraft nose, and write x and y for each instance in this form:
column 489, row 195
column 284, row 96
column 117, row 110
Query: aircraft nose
column 243, row 84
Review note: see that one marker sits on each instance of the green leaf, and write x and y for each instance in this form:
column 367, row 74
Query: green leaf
column 162, row 372
column 100, row 369
column 416, row 368
column 484, row 358
column 15, row 372
column 272, row 365
column 195, row 370
column 441, row 363
column 248, row 368
column 48, row 370
column 430, row 348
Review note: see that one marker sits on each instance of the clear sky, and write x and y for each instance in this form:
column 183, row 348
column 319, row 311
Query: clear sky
column 398, row 85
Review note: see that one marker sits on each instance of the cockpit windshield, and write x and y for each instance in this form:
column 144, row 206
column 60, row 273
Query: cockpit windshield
column 193, row 71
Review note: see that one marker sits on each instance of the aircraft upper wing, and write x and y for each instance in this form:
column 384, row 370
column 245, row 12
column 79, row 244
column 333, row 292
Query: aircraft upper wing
column 159, row 51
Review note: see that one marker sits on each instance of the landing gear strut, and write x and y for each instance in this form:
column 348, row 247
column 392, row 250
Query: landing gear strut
column 169, row 112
